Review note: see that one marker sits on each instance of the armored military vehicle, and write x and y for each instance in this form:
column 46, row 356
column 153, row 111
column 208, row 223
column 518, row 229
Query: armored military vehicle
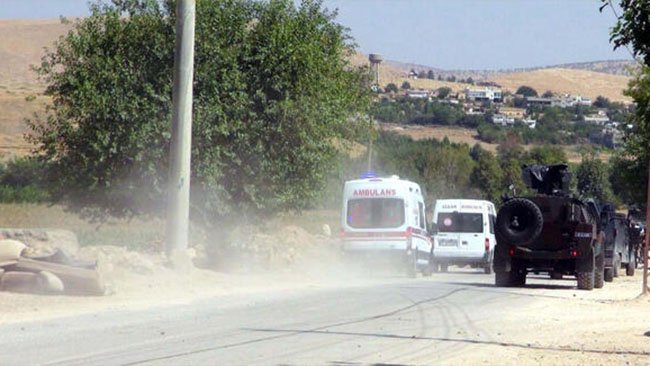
column 620, row 251
column 550, row 232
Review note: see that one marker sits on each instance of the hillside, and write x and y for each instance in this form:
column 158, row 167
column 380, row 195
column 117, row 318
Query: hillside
column 591, row 79
column 21, row 46
column 469, row 136
column 582, row 82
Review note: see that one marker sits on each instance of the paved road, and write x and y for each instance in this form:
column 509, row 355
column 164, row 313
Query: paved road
column 392, row 321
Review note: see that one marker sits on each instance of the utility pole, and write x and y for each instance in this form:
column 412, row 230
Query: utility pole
column 178, row 205
column 646, row 242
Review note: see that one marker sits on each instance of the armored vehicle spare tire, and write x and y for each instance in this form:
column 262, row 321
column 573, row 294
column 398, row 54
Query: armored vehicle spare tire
column 519, row 221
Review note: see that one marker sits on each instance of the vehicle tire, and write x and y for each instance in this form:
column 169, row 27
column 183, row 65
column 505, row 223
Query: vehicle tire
column 519, row 221
column 435, row 266
column 487, row 268
column 521, row 278
column 504, row 279
column 585, row 280
column 616, row 265
column 412, row 265
column 599, row 271
column 428, row 270
column 556, row 275
column 516, row 277
column 609, row 275
column 631, row 265
column 444, row 267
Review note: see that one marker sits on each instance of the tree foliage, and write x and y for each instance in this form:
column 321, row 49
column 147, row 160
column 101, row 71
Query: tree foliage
column 632, row 27
column 593, row 179
column 444, row 92
column 272, row 91
column 391, row 88
column 633, row 30
column 526, row 91
column 441, row 167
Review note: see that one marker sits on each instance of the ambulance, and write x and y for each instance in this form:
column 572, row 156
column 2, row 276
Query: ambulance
column 463, row 234
column 383, row 220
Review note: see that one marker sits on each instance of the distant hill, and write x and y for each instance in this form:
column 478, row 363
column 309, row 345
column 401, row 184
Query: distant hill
column 21, row 46
column 613, row 67
column 590, row 79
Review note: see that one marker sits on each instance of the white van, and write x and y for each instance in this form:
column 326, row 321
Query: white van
column 464, row 234
column 384, row 218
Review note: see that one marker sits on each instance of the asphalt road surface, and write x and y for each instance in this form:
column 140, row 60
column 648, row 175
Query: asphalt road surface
column 388, row 321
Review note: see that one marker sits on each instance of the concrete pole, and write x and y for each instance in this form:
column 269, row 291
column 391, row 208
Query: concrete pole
column 646, row 244
column 178, row 208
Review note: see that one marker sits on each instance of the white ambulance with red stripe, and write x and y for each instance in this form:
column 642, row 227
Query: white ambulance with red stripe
column 384, row 218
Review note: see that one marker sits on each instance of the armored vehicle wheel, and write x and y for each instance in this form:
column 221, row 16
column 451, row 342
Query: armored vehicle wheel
column 599, row 271
column 516, row 277
column 616, row 265
column 585, row 280
column 631, row 265
column 519, row 221
column 505, row 279
column 521, row 278
column 609, row 275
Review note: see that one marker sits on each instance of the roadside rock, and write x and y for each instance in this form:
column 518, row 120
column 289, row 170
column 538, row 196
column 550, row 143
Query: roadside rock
column 42, row 242
column 112, row 258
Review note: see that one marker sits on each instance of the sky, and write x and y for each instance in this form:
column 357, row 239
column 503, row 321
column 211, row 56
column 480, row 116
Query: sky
column 447, row 34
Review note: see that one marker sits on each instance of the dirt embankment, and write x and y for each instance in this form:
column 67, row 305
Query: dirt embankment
column 288, row 259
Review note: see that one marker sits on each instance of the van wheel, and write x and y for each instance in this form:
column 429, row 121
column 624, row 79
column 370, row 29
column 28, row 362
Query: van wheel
column 435, row 267
column 487, row 268
column 428, row 269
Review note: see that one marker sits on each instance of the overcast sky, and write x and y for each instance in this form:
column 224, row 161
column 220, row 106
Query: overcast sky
column 449, row 34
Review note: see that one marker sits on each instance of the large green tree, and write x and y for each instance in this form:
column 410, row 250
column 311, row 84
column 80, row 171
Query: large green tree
column 592, row 178
column 632, row 30
column 273, row 93
column 487, row 176
column 526, row 91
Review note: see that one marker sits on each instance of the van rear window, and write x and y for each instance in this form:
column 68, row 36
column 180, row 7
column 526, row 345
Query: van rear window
column 377, row 213
column 459, row 222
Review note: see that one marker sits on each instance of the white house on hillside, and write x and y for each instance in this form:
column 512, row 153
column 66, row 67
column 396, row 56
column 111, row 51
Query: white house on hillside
column 484, row 93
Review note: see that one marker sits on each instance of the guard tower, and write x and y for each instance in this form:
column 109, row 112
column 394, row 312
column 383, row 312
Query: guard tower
column 375, row 60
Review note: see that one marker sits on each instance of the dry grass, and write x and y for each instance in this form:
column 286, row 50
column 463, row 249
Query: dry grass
column 565, row 81
column 469, row 136
column 144, row 234
column 581, row 82
column 457, row 135
column 21, row 45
